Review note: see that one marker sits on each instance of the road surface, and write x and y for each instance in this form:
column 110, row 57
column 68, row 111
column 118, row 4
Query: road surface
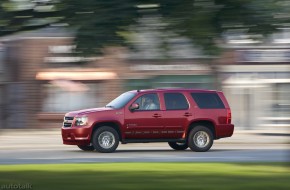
column 30, row 148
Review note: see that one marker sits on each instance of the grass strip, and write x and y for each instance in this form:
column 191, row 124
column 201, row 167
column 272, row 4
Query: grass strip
column 148, row 176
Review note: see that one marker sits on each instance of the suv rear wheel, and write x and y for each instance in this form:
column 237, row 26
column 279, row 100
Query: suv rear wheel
column 200, row 139
column 178, row 145
column 86, row 147
column 105, row 139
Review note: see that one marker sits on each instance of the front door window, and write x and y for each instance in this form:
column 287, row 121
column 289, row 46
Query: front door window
column 148, row 102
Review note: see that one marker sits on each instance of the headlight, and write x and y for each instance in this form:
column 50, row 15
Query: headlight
column 81, row 121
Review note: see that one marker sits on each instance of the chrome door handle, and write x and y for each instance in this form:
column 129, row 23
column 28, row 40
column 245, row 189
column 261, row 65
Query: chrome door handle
column 187, row 114
column 156, row 115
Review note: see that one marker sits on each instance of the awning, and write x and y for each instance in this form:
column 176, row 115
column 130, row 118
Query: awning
column 75, row 75
column 70, row 86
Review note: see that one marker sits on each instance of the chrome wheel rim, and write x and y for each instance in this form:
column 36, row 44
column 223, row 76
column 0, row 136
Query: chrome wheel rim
column 106, row 139
column 201, row 139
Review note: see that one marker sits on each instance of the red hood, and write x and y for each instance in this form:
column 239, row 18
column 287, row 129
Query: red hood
column 87, row 111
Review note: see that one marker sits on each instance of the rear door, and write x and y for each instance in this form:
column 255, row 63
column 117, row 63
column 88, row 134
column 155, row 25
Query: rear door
column 176, row 116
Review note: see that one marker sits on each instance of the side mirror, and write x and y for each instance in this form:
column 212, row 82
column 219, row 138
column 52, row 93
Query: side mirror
column 134, row 106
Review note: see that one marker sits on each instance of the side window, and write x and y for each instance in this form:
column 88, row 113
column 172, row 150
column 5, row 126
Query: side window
column 208, row 100
column 175, row 101
column 148, row 102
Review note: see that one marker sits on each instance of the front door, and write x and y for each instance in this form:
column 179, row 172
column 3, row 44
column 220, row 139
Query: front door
column 146, row 121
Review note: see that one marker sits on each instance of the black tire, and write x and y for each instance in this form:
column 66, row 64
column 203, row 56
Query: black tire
column 206, row 139
column 107, row 135
column 178, row 146
column 86, row 147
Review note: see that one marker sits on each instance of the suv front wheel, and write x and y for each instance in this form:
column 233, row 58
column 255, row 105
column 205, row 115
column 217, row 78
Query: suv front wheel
column 105, row 139
column 178, row 145
column 200, row 139
column 86, row 147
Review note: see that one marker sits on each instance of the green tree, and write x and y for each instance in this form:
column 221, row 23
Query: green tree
column 23, row 15
column 100, row 23
column 205, row 22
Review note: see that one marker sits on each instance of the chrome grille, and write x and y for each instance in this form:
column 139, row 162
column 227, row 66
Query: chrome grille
column 68, row 121
column 68, row 118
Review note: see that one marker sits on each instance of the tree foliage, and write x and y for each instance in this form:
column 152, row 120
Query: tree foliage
column 23, row 15
column 100, row 23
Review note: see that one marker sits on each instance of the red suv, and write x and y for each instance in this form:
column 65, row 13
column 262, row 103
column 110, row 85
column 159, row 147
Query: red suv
column 182, row 117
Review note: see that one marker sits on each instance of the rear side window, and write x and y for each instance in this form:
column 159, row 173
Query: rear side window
column 175, row 101
column 208, row 100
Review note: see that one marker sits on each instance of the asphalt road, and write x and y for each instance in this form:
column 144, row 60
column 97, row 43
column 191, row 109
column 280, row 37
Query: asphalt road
column 144, row 153
column 47, row 147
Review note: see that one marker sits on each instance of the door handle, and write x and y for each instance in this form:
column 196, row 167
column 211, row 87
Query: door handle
column 187, row 114
column 156, row 115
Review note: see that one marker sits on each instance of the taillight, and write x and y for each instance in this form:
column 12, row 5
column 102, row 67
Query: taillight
column 229, row 116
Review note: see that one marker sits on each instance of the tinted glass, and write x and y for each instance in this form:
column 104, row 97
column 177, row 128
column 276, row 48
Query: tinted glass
column 175, row 101
column 208, row 100
column 148, row 102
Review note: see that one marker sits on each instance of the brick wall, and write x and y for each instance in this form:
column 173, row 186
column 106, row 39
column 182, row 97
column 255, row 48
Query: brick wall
column 25, row 59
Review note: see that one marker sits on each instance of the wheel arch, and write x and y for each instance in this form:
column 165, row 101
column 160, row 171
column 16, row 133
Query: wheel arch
column 206, row 123
column 115, row 125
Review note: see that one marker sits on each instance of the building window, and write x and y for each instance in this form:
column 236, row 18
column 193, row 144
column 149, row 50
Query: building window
column 65, row 96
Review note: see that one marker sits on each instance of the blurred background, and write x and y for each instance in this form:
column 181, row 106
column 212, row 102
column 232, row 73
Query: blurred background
column 62, row 55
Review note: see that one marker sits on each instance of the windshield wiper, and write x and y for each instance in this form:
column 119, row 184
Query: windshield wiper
column 108, row 106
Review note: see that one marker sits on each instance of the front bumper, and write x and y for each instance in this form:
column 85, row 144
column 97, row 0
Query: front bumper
column 76, row 135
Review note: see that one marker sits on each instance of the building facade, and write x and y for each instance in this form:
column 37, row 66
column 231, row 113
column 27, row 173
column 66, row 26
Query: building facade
column 257, row 84
column 41, row 78
column 46, row 79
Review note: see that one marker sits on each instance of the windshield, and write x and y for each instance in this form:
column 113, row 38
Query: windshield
column 121, row 100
